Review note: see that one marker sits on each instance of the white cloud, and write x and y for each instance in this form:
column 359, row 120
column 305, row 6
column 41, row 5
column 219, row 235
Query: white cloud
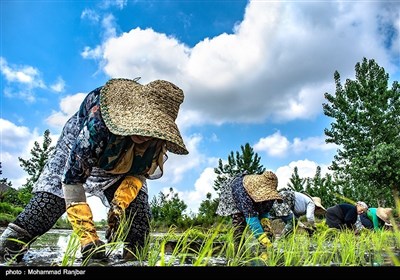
column 274, row 145
column 91, row 15
column 203, row 185
column 277, row 145
column 151, row 56
column 59, row 85
column 276, row 64
column 22, row 80
column 68, row 105
column 306, row 168
column 13, row 136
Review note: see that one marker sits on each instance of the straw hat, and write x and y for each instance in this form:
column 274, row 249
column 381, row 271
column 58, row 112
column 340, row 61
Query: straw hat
column 318, row 203
column 129, row 108
column 262, row 187
column 384, row 214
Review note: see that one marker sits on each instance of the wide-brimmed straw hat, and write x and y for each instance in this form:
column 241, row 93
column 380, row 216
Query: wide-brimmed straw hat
column 384, row 214
column 318, row 203
column 262, row 187
column 129, row 108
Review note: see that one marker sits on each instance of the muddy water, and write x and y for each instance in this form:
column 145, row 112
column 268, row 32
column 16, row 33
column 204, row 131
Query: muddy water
column 50, row 249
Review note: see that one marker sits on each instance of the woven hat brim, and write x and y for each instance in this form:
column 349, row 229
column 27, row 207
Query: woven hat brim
column 383, row 215
column 260, row 190
column 129, row 108
column 318, row 204
column 157, row 127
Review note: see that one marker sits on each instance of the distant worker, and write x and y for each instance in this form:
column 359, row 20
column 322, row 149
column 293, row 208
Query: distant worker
column 376, row 218
column 344, row 215
column 296, row 204
column 248, row 199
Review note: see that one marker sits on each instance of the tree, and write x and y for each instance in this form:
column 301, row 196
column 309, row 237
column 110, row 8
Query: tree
column 296, row 183
column 168, row 209
column 246, row 161
column 207, row 210
column 366, row 129
column 4, row 180
column 35, row 164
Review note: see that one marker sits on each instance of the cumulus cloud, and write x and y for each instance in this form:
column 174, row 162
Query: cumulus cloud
column 22, row 80
column 275, row 65
column 59, row 85
column 68, row 105
column 17, row 141
column 277, row 145
column 12, row 135
column 306, row 168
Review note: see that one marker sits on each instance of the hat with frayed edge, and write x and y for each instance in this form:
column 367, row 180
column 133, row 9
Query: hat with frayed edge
column 129, row 108
column 384, row 214
column 318, row 203
column 262, row 187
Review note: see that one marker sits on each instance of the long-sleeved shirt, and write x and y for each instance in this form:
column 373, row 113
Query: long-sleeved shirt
column 252, row 211
column 342, row 215
column 371, row 214
column 304, row 205
column 96, row 146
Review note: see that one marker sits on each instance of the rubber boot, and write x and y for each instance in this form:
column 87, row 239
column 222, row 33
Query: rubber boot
column 81, row 218
column 14, row 243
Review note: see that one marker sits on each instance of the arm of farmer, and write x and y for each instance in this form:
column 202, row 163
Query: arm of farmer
column 310, row 213
column 371, row 213
column 123, row 196
column 257, row 230
column 82, row 156
column 245, row 205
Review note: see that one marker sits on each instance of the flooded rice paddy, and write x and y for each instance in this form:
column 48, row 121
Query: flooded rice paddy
column 50, row 249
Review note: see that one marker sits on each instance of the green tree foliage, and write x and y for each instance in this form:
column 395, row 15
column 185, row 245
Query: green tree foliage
column 35, row 164
column 237, row 163
column 167, row 209
column 206, row 214
column 366, row 130
column 4, row 180
column 295, row 182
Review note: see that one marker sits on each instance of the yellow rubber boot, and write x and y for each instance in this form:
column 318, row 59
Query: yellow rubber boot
column 81, row 218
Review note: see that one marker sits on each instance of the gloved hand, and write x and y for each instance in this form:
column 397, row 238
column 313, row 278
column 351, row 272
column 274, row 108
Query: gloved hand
column 264, row 240
column 309, row 227
column 266, row 225
column 114, row 217
column 123, row 196
column 264, row 256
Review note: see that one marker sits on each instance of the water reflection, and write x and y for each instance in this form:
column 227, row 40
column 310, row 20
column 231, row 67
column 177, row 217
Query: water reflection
column 50, row 250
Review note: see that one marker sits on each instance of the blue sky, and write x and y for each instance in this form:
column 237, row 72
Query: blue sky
column 252, row 72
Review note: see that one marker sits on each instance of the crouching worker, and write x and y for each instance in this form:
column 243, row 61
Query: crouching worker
column 248, row 199
column 295, row 205
column 377, row 218
column 345, row 215
column 117, row 140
